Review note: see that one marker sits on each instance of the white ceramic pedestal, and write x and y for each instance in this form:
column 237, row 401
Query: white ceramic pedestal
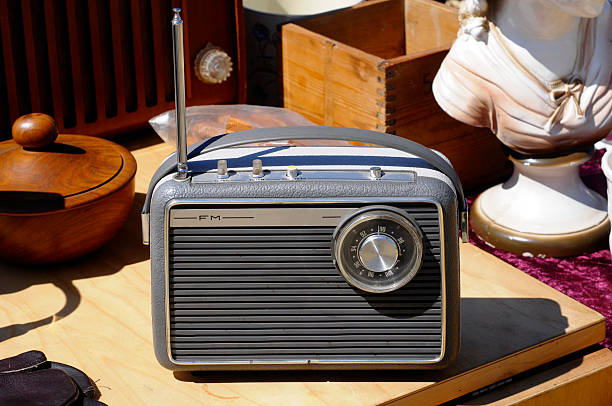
column 544, row 209
column 606, row 167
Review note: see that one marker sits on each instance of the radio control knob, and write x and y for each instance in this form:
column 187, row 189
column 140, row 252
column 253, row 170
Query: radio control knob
column 378, row 253
column 222, row 169
column 376, row 172
column 257, row 169
column 292, row 172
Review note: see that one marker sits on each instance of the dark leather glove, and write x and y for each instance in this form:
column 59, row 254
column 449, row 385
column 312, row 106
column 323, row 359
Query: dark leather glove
column 30, row 379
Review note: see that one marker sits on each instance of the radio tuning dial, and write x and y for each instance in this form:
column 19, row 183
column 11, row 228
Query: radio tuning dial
column 378, row 253
column 378, row 249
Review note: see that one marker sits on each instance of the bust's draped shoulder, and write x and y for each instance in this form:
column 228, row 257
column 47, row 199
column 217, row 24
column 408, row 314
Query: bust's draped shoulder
column 481, row 85
column 460, row 86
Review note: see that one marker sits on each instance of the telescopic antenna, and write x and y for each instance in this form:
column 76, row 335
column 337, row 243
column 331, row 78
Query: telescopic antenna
column 179, row 94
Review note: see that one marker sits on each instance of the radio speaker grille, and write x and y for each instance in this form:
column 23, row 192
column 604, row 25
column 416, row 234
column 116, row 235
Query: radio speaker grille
column 273, row 294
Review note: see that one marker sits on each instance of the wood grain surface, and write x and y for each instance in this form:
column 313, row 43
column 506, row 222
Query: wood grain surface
column 94, row 314
column 61, row 199
column 81, row 169
column 422, row 34
column 328, row 82
column 375, row 27
column 579, row 380
column 73, row 166
column 66, row 234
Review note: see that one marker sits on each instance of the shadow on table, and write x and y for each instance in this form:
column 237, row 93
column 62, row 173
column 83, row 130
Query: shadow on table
column 491, row 328
column 123, row 249
column 139, row 139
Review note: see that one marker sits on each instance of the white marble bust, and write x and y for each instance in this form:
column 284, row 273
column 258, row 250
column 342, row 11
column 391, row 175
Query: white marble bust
column 538, row 73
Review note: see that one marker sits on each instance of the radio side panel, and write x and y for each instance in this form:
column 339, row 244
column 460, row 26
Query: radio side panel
column 434, row 188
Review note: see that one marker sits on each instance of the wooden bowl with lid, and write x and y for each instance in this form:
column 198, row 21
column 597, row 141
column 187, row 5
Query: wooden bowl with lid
column 61, row 196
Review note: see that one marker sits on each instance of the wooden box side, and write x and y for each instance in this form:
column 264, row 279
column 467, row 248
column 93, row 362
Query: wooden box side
column 331, row 83
column 408, row 90
column 429, row 25
column 334, row 72
column 375, row 27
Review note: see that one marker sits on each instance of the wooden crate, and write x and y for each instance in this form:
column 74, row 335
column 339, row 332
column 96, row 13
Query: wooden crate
column 372, row 66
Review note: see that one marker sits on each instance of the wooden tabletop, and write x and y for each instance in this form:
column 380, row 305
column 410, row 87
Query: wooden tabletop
column 94, row 314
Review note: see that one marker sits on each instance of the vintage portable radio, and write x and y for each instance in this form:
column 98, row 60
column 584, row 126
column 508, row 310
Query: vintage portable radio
column 304, row 257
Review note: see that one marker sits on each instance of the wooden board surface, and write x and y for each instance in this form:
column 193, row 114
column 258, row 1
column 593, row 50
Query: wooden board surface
column 94, row 313
column 578, row 380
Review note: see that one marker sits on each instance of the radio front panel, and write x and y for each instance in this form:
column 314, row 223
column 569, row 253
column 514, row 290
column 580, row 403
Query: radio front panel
column 258, row 284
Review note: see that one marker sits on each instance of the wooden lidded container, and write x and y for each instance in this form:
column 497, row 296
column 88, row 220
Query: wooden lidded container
column 61, row 196
column 372, row 66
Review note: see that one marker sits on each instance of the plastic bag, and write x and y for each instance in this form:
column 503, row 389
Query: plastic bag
column 203, row 122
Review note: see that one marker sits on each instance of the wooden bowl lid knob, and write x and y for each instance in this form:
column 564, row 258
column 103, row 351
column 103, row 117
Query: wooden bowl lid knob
column 34, row 130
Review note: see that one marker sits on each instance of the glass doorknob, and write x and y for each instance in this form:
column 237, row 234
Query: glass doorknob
column 212, row 64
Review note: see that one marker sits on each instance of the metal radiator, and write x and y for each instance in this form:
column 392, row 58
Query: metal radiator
column 102, row 67
column 270, row 293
